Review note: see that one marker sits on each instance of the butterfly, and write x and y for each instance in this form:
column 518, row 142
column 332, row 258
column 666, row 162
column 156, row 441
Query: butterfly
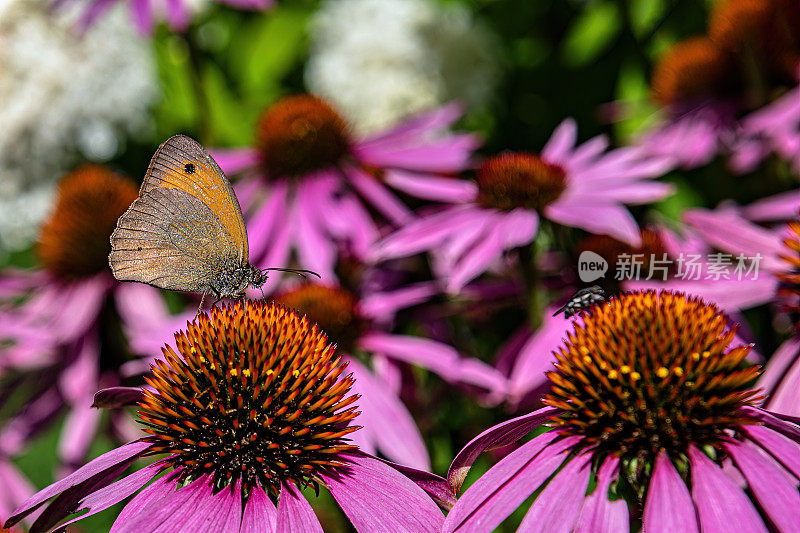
column 583, row 299
column 185, row 231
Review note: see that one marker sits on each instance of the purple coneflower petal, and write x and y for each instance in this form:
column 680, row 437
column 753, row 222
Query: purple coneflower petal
column 314, row 249
column 435, row 486
column 260, row 514
column 382, row 306
column 78, row 381
column 95, row 10
column 561, row 142
column 220, row 512
column 77, row 307
column 775, row 494
column 295, row 513
column 437, row 357
column 450, row 190
column 781, row 379
column 556, row 508
column 114, row 493
column 727, row 230
column 426, row 233
column 599, row 513
column 728, row 294
column 367, row 481
column 410, row 130
column 78, row 432
column 498, row 436
column 386, row 421
column 477, row 260
column 142, row 15
column 719, row 501
column 172, row 511
column 14, row 488
column 436, row 156
column 774, row 422
column 177, row 15
column 777, row 208
column 266, row 222
column 613, row 220
column 378, row 195
column 234, row 161
column 783, row 449
column 585, row 154
column 97, row 468
column 158, row 489
column 506, row 485
column 669, row 505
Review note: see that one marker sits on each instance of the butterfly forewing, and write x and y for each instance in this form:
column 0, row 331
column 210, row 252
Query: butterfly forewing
column 185, row 227
column 182, row 163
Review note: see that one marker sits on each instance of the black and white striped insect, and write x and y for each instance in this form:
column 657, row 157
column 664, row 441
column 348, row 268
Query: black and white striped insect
column 583, row 299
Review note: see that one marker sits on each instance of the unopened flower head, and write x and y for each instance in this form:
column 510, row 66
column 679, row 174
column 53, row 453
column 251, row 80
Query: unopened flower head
column 255, row 394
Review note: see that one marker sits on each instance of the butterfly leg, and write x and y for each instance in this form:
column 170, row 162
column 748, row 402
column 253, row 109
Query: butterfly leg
column 200, row 307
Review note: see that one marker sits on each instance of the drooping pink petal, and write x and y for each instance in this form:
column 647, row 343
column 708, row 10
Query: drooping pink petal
column 381, row 198
column 79, row 380
column 78, row 307
column 777, row 208
column 775, row 423
column 557, row 506
column 116, row 492
column 728, row 294
column 382, row 306
column 314, row 249
column 447, row 155
column 435, row 486
column 260, row 514
column 507, row 484
column 783, row 449
column 718, row 500
column 781, row 379
column 409, row 131
column 777, row 497
column 295, row 515
column 172, row 511
column 177, row 15
column 497, row 436
column 446, row 189
column 220, row 512
column 78, row 432
column 95, row 10
column 669, row 505
column 437, row 357
column 386, row 420
column 604, row 219
column 728, row 231
column 14, row 488
column 158, row 489
column 425, row 233
column 375, row 497
column 109, row 461
column 599, row 513
column 266, row 223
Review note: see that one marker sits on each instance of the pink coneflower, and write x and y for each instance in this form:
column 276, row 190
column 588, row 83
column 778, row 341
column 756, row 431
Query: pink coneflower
column 310, row 186
column 252, row 407
column 651, row 404
column 585, row 187
column 55, row 339
column 707, row 83
column 146, row 13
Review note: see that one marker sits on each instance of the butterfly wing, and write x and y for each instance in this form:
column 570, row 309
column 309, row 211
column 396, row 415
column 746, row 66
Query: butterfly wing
column 182, row 163
column 170, row 239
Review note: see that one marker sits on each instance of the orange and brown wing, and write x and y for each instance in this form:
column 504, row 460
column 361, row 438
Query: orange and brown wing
column 170, row 239
column 182, row 163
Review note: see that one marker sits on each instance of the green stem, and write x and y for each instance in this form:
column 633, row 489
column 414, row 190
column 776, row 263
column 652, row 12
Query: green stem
column 533, row 292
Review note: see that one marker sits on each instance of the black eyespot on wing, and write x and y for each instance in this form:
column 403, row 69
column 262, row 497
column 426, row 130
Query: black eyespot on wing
column 189, row 168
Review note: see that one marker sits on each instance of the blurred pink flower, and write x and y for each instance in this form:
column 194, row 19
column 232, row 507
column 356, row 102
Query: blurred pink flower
column 145, row 13
column 59, row 340
column 309, row 186
column 585, row 186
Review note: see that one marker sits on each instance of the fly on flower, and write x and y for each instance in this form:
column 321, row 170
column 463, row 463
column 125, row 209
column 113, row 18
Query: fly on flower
column 581, row 300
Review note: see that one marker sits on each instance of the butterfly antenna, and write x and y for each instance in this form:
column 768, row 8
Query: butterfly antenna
column 299, row 271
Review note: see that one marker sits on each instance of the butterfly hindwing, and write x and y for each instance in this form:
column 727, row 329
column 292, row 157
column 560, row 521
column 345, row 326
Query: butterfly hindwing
column 170, row 239
column 182, row 163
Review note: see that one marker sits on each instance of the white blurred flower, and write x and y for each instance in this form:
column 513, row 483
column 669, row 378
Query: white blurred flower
column 64, row 98
column 379, row 61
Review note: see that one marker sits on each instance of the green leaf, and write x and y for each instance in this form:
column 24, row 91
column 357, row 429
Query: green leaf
column 644, row 15
column 591, row 34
